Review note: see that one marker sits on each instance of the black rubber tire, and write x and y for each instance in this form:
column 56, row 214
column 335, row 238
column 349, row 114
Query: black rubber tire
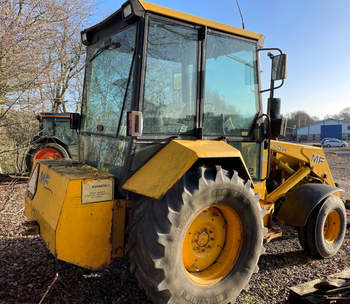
column 157, row 229
column 33, row 150
column 311, row 237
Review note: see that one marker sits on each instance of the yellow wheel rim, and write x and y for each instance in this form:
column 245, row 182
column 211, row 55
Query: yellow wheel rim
column 212, row 245
column 331, row 228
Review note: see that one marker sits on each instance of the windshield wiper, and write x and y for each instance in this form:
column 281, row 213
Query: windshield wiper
column 236, row 58
column 109, row 46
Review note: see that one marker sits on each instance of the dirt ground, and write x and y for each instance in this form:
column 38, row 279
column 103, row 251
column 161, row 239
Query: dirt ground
column 27, row 268
column 340, row 168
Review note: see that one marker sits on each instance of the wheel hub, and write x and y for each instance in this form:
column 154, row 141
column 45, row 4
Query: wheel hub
column 332, row 227
column 207, row 237
column 202, row 240
column 212, row 244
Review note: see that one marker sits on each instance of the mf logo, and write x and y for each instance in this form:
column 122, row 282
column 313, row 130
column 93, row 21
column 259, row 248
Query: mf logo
column 317, row 159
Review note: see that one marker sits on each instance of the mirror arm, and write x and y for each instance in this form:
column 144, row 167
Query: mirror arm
column 267, row 90
column 272, row 88
column 271, row 49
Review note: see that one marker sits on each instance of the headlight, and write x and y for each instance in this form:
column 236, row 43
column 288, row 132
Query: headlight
column 84, row 39
column 127, row 11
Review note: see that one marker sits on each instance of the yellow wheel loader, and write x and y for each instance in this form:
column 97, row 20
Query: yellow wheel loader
column 179, row 168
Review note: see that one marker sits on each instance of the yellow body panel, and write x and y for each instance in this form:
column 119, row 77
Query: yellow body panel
column 76, row 231
column 162, row 171
column 47, row 205
column 84, row 231
column 260, row 187
column 201, row 21
column 119, row 212
column 310, row 155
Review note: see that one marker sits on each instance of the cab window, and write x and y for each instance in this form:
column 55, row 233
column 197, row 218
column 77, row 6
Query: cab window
column 170, row 80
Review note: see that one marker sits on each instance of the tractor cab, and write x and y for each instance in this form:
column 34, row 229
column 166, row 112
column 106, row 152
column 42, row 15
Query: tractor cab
column 55, row 139
column 57, row 125
column 154, row 74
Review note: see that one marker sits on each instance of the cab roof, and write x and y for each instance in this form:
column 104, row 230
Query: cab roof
column 141, row 7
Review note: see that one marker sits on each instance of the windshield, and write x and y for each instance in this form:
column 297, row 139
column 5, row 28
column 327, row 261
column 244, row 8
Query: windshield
column 231, row 86
column 106, row 84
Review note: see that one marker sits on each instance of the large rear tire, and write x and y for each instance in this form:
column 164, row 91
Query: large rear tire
column 45, row 151
column 201, row 242
column 324, row 231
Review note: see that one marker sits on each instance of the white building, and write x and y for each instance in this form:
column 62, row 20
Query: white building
column 333, row 128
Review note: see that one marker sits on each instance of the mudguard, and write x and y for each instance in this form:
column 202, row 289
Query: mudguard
column 50, row 139
column 167, row 166
column 300, row 203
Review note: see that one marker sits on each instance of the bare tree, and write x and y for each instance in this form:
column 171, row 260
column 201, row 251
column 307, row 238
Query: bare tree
column 65, row 55
column 23, row 28
column 41, row 61
column 40, row 51
column 343, row 114
column 300, row 119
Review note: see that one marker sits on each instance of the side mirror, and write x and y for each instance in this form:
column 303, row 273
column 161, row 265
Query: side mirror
column 75, row 120
column 279, row 70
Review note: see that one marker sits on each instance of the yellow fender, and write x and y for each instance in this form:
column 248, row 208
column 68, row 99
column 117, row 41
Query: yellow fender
column 166, row 167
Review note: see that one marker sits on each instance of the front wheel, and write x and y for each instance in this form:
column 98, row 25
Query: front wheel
column 201, row 242
column 324, row 231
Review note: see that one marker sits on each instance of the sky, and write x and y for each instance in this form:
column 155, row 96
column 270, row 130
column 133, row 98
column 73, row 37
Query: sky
column 314, row 33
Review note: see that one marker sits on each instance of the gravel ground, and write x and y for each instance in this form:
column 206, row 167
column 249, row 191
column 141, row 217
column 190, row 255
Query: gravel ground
column 27, row 268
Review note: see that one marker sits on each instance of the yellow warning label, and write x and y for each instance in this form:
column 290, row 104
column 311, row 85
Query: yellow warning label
column 94, row 191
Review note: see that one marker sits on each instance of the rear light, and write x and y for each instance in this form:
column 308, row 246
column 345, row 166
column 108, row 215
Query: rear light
column 33, row 181
column 135, row 123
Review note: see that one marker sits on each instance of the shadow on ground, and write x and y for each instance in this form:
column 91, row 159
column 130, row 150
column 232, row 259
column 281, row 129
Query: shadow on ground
column 28, row 269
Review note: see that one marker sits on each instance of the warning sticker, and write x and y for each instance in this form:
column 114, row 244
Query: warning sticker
column 94, row 191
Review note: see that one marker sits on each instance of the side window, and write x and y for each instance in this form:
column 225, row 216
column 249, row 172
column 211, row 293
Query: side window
column 64, row 132
column 48, row 127
column 251, row 155
column 170, row 81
